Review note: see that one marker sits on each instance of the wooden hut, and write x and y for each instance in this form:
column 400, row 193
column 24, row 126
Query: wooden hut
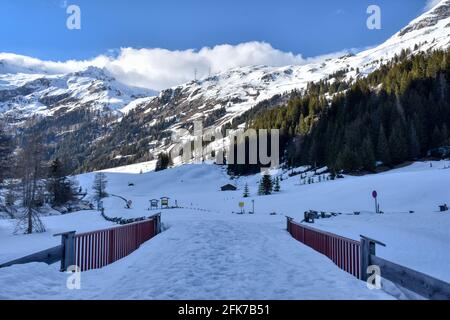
column 228, row 187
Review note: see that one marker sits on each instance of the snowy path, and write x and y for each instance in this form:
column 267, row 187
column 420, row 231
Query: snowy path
column 206, row 259
column 214, row 254
column 235, row 260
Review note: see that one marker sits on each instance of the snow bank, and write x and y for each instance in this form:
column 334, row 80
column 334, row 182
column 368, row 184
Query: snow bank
column 209, row 252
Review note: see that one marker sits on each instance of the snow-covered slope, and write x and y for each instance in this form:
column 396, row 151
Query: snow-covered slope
column 24, row 95
column 209, row 252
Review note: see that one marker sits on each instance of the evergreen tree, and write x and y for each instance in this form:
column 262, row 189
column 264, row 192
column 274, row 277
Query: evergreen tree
column 436, row 138
column 367, row 155
column 260, row 188
column 267, row 184
column 445, row 135
column 348, row 160
column 246, row 191
column 383, row 152
column 413, row 143
column 276, row 187
column 398, row 144
column 163, row 162
column 59, row 186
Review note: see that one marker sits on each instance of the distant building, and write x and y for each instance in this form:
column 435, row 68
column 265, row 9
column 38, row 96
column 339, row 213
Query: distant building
column 228, row 187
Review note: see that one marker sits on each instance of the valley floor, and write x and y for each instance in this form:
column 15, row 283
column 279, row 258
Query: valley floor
column 208, row 252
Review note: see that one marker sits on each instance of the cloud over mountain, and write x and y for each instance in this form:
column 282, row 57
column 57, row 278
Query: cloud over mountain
column 158, row 68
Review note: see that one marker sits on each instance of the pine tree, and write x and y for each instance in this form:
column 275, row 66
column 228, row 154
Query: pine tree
column 246, row 191
column 413, row 143
column 383, row 152
column 367, row 155
column 163, row 162
column 260, row 188
column 436, row 138
column 348, row 160
column 398, row 144
column 445, row 135
column 59, row 186
column 276, row 187
column 267, row 184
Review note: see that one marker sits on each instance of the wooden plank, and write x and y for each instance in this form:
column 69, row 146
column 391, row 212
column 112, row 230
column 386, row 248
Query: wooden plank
column 425, row 285
column 48, row 256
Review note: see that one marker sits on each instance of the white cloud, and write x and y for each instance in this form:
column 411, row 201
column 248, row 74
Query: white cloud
column 431, row 4
column 160, row 68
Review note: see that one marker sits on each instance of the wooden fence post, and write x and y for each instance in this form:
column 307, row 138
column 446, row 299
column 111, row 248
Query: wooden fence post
column 68, row 249
column 288, row 226
column 158, row 223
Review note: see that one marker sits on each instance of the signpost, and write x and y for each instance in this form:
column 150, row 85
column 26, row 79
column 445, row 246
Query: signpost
column 375, row 196
column 242, row 205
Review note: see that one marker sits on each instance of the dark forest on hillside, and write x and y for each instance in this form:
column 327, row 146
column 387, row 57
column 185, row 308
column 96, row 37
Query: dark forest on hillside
column 397, row 113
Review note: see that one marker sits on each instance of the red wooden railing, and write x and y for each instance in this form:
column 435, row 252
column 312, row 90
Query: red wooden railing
column 94, row 250
column 344, row 252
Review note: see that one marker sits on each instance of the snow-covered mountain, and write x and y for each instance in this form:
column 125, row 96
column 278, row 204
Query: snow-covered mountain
column 242, row 88
column 217, row 99
column 221, row 98
column 23, row 95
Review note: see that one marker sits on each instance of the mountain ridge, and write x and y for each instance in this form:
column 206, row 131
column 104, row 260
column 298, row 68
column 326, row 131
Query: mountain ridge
column 138, row 121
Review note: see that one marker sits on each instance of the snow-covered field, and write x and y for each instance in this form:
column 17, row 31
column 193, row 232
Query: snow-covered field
column 209, row 252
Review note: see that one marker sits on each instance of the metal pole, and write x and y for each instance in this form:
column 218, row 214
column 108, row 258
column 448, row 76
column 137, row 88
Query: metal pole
column 367, row 250
column 68, row 249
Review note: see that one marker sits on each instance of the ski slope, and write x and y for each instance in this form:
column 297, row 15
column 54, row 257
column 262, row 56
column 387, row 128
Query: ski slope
column 209, row 252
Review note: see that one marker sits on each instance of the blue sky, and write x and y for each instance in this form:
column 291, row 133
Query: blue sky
column 310, row 28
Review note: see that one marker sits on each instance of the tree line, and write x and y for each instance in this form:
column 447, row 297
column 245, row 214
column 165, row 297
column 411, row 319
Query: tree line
column 397, row 113
column 31, row 181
